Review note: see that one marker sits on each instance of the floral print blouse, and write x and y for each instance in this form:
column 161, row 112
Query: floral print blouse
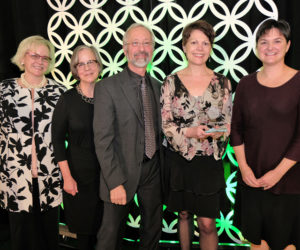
column 180, row 111
column 16, row 133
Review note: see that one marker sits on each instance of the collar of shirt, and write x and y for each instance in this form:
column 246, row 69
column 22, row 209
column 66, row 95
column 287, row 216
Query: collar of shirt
column 137, row 78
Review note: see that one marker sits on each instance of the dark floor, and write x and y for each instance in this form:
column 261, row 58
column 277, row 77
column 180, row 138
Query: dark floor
column 67, row 243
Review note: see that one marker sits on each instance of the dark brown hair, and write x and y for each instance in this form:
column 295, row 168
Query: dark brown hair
column 201, row 25
column 281, row 25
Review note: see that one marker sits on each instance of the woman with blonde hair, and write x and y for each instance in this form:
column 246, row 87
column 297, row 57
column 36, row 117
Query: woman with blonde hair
column 30, row 181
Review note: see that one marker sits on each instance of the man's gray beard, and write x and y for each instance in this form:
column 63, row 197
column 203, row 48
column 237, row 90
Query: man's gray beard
column 140, row 64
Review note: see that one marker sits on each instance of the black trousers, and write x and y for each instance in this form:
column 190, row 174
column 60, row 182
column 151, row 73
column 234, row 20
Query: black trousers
column 36, row 230
column 150, row 203
column 86, row 241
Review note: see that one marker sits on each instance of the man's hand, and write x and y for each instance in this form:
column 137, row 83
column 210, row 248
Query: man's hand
column 118, row 195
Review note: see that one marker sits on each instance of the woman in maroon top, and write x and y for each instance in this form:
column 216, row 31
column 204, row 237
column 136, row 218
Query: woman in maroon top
column 265, row 136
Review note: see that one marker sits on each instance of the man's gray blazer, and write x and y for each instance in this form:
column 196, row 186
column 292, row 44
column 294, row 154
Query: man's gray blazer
column 119, row 132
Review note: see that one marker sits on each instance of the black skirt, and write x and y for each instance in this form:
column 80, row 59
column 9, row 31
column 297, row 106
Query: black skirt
column 262, row 215
column 83, row 212
column 195, row 185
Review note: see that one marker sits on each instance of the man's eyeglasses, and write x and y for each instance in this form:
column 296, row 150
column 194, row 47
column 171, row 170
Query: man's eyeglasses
column 90, row 63
column 137, row 44
column 37, row 57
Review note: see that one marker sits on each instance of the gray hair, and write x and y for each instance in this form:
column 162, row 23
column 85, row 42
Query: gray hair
column 74, row 59
column 135, row 25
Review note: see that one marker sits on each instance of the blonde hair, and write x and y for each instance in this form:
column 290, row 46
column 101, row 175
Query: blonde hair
column 29, row 43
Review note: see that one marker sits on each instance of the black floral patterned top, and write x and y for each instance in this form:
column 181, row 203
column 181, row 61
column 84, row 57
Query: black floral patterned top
column 16, row 133
column 180, row 110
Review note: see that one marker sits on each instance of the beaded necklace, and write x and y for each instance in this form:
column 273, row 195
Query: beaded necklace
column 89, row 100
column 31, row 86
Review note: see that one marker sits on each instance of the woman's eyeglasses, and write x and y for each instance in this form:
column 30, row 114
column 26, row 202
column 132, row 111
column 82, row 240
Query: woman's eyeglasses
column 90, row 63
column 37, row 57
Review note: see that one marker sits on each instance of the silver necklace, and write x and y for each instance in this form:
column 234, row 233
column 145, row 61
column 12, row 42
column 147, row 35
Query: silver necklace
column 89, row 100
column 29, row 85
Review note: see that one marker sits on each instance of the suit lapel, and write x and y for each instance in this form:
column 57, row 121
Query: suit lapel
column 130, row 91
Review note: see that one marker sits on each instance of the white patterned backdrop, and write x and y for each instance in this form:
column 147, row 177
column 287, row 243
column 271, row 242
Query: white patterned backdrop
column 102, row 23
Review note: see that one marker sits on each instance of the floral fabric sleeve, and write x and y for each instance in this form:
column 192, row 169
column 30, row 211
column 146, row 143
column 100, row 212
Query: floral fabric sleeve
column 173, row 130
column 1, row 100
column 227, row 102
column 220, row 144
column 180, row 111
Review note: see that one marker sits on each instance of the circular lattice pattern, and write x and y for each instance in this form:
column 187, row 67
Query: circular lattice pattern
column 66, row 30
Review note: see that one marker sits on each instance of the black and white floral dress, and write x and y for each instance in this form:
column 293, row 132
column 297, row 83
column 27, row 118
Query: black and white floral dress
column 16, row 133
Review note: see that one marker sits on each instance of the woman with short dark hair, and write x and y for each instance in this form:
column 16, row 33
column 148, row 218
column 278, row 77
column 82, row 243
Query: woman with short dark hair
column 266, row 140
column 196, row 115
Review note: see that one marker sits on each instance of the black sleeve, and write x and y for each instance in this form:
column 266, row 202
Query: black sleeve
column 59, row 129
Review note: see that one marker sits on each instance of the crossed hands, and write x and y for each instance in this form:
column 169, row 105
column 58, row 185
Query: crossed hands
column 267, row 181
